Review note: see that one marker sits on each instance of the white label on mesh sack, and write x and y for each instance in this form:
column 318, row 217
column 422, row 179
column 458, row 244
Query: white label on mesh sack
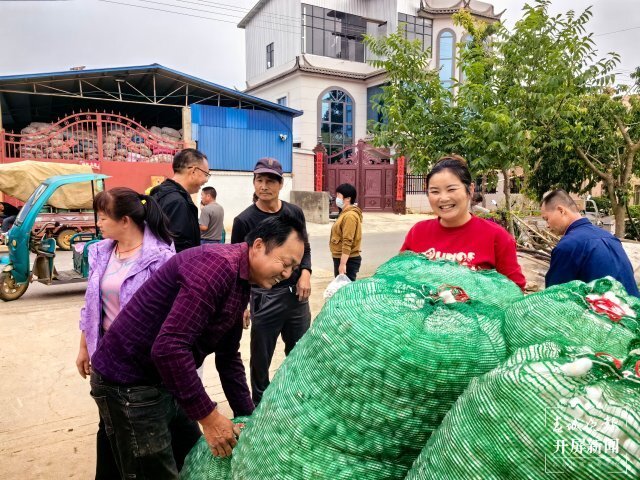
column 578, row 368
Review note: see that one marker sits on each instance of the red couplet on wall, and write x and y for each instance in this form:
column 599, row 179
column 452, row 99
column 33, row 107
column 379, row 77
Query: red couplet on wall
column 400, row 179
column 319, row 172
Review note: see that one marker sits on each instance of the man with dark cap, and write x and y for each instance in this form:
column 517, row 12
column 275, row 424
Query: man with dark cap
column 284, row 309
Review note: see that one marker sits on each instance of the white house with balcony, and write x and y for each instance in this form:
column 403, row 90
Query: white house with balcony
column 310, row 55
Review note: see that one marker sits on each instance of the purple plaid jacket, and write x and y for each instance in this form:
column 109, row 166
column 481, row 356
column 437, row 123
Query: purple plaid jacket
column 154, row 253
column 190, row 308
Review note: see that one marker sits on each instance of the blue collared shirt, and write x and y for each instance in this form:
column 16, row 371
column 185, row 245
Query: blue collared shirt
column 586, row 253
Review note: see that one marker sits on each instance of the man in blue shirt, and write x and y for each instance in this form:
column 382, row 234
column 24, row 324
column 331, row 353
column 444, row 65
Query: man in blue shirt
column 585, row 252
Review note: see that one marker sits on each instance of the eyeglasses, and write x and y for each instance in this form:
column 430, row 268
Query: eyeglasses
column 206, row 174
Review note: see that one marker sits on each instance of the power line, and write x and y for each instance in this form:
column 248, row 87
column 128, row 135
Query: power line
column 617, row 31
column 277, row 25
column 236, row 9
column 190, row 15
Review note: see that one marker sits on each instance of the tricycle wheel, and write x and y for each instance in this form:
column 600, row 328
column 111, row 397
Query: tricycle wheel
column 9, row 289
column 63, row 239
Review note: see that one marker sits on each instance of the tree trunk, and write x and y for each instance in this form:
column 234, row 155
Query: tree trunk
column 507, row 199
column 484, row 190
column 619, row 212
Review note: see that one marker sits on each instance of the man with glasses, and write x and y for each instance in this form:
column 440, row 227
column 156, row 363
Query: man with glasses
column 190, row 172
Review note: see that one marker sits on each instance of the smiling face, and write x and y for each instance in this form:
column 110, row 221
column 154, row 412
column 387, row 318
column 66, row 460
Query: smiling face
column 449, row 198
column 267, row 187
column 268, row 269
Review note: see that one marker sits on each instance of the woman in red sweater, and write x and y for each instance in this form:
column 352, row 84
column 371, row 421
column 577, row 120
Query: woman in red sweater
column 457, row 234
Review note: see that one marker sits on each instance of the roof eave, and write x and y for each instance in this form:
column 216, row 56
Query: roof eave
column 252, row 13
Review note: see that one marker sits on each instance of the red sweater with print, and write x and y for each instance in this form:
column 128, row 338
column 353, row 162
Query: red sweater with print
column 478, row 243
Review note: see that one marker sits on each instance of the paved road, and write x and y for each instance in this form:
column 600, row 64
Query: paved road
column 377, row 248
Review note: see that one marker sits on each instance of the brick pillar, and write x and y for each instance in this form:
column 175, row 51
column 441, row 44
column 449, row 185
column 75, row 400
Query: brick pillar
column 186, row 128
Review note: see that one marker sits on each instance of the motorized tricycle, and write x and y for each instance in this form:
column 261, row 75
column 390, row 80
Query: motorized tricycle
column 16, row 272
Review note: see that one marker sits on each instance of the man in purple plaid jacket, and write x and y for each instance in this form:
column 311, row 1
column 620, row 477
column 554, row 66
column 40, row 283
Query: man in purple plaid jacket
column 144, row 377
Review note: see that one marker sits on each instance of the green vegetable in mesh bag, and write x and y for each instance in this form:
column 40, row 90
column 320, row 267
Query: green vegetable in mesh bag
column 361, row 392
column 599, row 315
column 486, row 286
column 547, row 412
column 200, row 463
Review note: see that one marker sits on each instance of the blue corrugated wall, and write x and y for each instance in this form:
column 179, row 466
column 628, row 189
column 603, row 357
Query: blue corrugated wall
column 234, row 139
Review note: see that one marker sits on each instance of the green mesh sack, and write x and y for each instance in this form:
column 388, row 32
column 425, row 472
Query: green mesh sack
column 364, row 388
column 486, row 286
column 575, row 313
column 545, row 413
column 200, row 464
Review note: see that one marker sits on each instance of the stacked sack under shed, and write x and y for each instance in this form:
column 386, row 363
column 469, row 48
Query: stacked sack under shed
column 382, row 364
column 549, row 411
column 80, row 141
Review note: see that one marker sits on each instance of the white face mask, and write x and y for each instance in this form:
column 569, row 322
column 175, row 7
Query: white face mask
column 339, row 202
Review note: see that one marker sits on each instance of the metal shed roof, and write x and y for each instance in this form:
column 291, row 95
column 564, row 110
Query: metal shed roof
column 150, row 85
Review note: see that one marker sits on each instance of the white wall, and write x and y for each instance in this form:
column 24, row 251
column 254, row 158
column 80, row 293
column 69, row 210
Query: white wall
column 235, row 192
column 303, row 91
column 279, row 21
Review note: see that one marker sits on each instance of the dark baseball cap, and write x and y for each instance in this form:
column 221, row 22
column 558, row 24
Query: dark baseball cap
column 268, row 165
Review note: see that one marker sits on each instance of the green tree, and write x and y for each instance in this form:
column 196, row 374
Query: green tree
column 519, row 106
column 604, row 131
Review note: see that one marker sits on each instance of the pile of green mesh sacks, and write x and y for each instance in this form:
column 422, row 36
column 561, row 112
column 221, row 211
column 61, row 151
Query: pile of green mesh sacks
column 382, row 364
column 200, row 463
column 548, row 412
column 600, row 315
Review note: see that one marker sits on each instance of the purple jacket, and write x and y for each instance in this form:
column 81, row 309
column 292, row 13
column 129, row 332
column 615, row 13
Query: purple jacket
column 154, row 254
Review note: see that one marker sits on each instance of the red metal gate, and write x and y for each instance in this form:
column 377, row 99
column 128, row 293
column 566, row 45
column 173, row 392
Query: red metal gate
column 110, row 143
column 369, row 170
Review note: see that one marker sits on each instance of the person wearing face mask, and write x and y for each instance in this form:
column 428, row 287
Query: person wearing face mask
column 346, row 234
column 457, row 234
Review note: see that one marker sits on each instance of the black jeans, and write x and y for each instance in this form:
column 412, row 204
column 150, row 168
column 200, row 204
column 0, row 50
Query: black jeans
column 106, row 466
column 353, row 267
column 274, row 312
column 141, row 423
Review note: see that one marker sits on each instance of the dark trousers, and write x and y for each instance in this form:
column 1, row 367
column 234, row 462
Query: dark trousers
column 353, row 267
column 274, row 312
column 204, row 241
column 106, row 466
column 141, row 424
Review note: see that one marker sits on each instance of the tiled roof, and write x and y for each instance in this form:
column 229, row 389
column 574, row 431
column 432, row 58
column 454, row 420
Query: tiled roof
column 307, row 68
column 428, row 10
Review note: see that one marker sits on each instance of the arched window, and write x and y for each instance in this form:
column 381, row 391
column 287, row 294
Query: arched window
column 336, row 120
column 446, row 57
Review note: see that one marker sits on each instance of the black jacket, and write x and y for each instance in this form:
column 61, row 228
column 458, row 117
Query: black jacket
column 181, row 212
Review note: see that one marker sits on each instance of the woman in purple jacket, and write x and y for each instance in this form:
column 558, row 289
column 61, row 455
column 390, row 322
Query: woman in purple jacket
column 137, row 243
